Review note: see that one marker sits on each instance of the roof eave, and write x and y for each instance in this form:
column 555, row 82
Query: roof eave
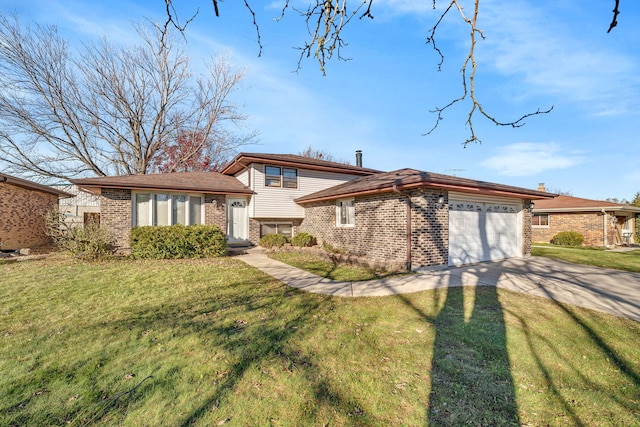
column 472, row 190
column 244, row 161
column 588, row 209
column 95, row 188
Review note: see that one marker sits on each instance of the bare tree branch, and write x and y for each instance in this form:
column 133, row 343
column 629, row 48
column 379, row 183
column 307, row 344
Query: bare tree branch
column 468, row 78
column 106, row 110
column 616, row 12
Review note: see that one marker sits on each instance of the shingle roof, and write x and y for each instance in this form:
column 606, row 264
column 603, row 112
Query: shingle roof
column 569, row 203
column 19, row 182
column 201, row 182
column 404, row 179
column 245, row 159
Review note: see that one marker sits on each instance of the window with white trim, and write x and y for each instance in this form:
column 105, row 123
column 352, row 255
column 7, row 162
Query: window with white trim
column 346, row 212
column 540, row 220
column 167, row 209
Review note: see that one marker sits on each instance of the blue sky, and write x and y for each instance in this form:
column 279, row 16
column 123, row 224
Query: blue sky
column 536, row 54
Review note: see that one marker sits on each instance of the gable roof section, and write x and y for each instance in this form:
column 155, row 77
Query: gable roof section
column 577, row 204
column 405, row 179
column 30, row 185
column 243, row 160
column 197, row 182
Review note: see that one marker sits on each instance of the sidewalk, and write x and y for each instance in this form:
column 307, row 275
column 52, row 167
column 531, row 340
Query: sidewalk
column 612, row 291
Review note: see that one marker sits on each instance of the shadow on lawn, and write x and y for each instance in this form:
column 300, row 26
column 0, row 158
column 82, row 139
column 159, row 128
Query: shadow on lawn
column 471, row 381
column 254, row 327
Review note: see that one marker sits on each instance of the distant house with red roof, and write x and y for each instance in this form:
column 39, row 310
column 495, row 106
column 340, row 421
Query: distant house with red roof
column 602, row 223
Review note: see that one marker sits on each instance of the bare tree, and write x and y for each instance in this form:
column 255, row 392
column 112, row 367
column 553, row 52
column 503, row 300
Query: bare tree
column 320, row 154
column 326, row 20
column 104, row 109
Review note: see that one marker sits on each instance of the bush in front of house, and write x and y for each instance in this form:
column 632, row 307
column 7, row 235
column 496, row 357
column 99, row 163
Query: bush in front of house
column 567, row 238
column 273, row 241
column 177, row 241
column 88, row 242
column 303, row 240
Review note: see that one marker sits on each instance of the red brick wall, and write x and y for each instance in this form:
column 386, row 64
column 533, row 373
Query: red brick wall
column 589, row 224
column 22, row 212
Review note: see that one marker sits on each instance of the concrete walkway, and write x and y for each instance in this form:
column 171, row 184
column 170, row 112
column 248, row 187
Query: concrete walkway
column 611, row 291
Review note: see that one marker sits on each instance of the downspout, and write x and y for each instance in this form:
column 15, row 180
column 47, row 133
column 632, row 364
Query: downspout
column 395, row 190
column 604, row 226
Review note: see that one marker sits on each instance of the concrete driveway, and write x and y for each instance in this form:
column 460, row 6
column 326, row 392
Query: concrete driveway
column 611, row 291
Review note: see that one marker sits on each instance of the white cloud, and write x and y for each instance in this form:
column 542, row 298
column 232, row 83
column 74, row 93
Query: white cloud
column 530, row 158
column 526, row 41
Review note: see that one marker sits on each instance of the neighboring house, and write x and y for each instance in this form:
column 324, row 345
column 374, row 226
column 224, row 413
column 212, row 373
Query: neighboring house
column 23, row 205
column 406, row 216
column 601, row 223
column 80, row 209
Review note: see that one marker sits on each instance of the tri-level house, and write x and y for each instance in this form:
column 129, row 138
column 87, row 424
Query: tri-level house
column 413, row 217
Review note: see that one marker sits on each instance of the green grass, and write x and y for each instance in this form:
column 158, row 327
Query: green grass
column 629, row 261
column 225, row 344
column 327, row 269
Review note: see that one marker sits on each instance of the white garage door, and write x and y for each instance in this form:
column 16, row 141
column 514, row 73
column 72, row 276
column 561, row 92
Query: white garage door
column 483, row 230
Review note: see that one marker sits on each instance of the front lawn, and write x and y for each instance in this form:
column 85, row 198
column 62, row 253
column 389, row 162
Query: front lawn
column 327, row 269
column 216, row 342
column 629, row 261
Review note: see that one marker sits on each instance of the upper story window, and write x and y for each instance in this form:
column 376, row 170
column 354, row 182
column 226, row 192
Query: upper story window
column 540, row 220
column 167, row 209
column 276, row 176
column 346, row 212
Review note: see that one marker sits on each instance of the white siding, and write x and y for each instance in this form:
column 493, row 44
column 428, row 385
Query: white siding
column 270, row 202
column 243, row 177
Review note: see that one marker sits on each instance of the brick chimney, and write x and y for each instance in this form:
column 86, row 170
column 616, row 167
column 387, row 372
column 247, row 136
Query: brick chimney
column 541, row 187
column 359, row 158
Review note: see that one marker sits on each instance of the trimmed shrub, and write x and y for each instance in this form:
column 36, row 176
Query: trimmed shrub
column 273, row 241
column 567, row 238
column 88, row 242
column 177, row 241
column 303, row 240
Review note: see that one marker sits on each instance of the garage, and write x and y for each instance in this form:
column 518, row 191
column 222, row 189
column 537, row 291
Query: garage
column 486, row 229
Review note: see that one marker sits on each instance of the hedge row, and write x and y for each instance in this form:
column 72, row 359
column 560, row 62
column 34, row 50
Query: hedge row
column 177, row 241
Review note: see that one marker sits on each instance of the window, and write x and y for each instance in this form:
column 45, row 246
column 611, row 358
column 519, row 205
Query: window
column 275, row 176
column 167, row 209
column 345, row 213
column 540, row 220
column 289, row 178
column 272, row 176
column 276, row 228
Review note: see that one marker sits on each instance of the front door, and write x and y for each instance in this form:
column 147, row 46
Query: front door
column 237, row 221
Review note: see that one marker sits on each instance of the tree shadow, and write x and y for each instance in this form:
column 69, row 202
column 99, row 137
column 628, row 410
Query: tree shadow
column 471, row 381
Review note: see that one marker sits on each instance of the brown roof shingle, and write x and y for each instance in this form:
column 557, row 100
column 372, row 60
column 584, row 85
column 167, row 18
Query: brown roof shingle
column 19, row 182
column 201, row 182
column 570, row 203
column 245, row 159
column 403, row 179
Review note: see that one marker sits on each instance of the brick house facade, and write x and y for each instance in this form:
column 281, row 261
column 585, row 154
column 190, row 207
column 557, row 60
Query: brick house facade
column 601, row 223
column 401, row 217
column 380, row 232
column 23, row 205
